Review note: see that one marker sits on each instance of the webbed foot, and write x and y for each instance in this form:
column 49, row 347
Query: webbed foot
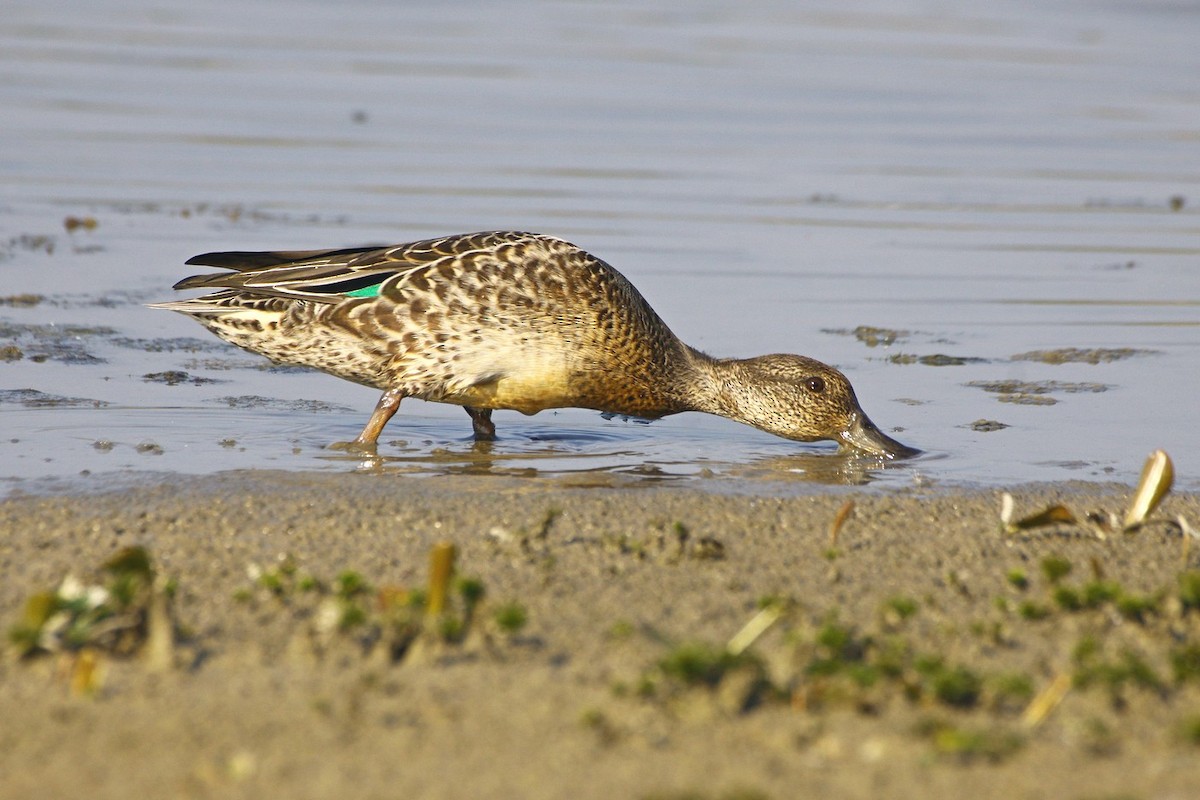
column 356, row 447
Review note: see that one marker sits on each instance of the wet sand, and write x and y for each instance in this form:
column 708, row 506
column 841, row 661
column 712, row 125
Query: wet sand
column 944, row 647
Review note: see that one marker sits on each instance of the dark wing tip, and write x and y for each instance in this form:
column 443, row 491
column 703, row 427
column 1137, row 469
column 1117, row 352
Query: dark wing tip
column 239, row 261
column 243, row 261
column 196, row 281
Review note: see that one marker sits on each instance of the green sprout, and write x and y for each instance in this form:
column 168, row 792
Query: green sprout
column 1018, row 579
column 1055, row 568
column 902, row 607
column 511, row 617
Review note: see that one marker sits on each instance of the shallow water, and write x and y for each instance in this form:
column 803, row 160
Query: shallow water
column 978, row 183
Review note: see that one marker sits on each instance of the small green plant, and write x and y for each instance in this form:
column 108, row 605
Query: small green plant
column 970, row 744
column 1114, row 674
column 1092, row 595
column 955, row 686
column 1137, row 608
column 1033, row 611
column 390, row 617
column 700, row 666
column 1185, row 663
column 350, row 590
column 621, row 629
column 1085, row 649
column 841, row 642
column 348, row 585
column 697, row 663
column 1097, row 593
column 285, row 579
column 511, row 617
column 352, row 615
column 902, row 607
column 1010, row 690
column 1018, row 579
column 1067, row 598
column 1189, row 591
column 471, row 590
column 117, row 615
column 892, row 657
column 1055, row 568
column 732, row 794
column 1189, row 730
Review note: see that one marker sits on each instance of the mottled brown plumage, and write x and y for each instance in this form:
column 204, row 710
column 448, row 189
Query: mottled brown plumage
column 506, row 320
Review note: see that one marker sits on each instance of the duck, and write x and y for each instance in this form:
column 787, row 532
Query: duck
column 506, row 320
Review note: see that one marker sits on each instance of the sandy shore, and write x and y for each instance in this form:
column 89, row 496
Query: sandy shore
column 903, row 661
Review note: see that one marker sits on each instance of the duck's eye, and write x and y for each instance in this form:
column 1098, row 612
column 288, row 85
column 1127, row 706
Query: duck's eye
column 815, row 384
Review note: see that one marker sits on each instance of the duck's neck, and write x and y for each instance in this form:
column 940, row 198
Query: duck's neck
column 715, row 386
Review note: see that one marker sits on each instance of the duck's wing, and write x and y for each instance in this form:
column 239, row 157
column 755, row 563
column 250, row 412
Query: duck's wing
column 331, row 276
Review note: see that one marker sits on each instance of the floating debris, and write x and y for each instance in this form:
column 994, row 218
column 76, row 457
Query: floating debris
column 935, row 360
column 1034, row 392
column 441, row 570
column 1027, row 399
column 759, row 624
column 876, row 337
column 63, row 343
column 177, row 344
column 32, row 398
column 73, row 224
column 871, row 336
column 987, row 425
column 22, row 300
column 839, row 520
column 1037, row 387
column 175, row 377
column 1047, row 700
column 31, row 242
column 258, row 401
column 85, row 672
column 1158, row 475
column 1075, row 355
column 1052, row 515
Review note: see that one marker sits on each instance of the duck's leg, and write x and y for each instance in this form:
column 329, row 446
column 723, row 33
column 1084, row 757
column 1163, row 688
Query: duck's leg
column 385, row 409
column 481, row 419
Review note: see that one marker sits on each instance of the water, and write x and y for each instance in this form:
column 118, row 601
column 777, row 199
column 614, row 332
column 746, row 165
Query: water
column 978, row 182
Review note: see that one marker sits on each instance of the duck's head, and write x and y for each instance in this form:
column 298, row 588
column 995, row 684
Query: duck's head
column 802, row 399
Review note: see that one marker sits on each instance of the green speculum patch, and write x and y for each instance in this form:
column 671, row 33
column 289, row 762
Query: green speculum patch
column 354, row 286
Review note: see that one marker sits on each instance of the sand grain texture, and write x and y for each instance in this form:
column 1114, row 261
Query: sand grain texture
column 254, row 710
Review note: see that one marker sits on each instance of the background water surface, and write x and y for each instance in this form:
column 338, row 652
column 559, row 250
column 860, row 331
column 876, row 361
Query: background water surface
column 1009, row 193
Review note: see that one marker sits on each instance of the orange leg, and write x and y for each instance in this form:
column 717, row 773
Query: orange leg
column 385, row 409
column 481, row 420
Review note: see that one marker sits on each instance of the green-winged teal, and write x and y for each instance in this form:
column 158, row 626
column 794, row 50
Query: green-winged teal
column 506, row 320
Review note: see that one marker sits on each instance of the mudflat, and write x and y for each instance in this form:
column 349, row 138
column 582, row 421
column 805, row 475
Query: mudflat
column 675, row 644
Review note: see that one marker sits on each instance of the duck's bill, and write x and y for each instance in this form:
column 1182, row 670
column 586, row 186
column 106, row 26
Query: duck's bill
column 863, row 437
